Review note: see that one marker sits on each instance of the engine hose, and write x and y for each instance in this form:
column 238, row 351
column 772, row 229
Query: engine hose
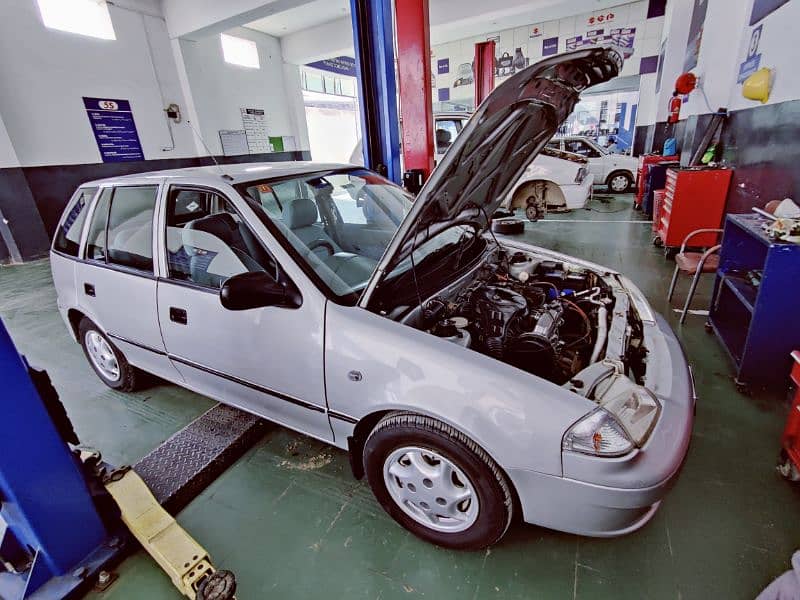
column 495, row 347
column 602, row 330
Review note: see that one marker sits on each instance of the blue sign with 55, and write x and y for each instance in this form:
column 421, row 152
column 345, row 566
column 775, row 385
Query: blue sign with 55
column 114, row 129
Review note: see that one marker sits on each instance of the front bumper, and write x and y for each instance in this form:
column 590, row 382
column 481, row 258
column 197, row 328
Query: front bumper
column 606, row 497
column 577, row 195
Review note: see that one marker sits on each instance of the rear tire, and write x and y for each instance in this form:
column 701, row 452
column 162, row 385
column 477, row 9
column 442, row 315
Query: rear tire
column 106, row 359
column 619, row 182
column 472, row 487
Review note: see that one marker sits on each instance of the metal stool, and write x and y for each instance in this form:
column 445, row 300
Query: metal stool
column 694, row 262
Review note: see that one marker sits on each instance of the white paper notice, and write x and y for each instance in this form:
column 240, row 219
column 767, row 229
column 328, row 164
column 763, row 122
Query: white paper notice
column 255, row 127
column 234, row 142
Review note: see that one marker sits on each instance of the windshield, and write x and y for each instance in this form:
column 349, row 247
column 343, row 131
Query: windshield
column 336, row 223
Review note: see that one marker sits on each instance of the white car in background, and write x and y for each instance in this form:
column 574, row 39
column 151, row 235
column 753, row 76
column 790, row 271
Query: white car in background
column 554, row 181
column 616, row 171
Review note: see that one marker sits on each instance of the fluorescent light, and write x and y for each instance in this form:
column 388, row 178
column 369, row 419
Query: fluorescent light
column 239, row 51
column 86, row 17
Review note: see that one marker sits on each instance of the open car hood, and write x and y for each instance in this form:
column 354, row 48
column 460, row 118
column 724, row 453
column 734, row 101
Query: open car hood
column 501, row 139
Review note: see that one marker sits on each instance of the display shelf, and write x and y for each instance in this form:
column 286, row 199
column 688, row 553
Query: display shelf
column 757, row 326
column 741, row 289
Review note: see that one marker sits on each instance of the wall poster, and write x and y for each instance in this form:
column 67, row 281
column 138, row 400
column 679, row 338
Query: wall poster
column 255, row 128
column 114, row 129
column 695, row 34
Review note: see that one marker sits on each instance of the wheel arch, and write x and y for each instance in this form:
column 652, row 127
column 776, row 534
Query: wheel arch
column 365, row 425
column 74, row 316
column 553, row 194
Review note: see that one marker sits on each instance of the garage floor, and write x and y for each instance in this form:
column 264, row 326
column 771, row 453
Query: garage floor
column 291, row 522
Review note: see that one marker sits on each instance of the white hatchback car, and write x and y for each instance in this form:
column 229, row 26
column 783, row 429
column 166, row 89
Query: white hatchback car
column 616, row 171
column 467, row 377
column 555, row 180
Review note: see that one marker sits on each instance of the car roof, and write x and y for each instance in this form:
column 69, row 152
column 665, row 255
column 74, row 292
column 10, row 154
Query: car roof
column 453, row 113
column 230, row 173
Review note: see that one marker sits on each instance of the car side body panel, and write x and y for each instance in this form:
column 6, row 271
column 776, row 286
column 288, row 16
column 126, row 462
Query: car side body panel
column 374, row 364
column 561, row 173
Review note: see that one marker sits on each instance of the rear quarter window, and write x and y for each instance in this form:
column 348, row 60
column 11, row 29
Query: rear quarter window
column 68, row 236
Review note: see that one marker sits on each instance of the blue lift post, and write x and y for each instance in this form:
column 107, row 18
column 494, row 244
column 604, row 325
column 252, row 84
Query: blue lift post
column 52, row 539
column 373, row 39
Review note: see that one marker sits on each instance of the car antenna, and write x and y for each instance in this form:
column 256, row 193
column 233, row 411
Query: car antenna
column 210, row 154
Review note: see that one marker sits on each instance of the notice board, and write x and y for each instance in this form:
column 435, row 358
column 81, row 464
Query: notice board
column 255, row 125
column 114, row 129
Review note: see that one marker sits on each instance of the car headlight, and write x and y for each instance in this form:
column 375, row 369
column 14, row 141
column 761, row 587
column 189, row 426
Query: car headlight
column 581, row 175
column 598, row 433
column 625, row 418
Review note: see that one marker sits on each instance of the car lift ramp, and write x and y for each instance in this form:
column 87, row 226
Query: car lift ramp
column 189, row 461
column 166, row 480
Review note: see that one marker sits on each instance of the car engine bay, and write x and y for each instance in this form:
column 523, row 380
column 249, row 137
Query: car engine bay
column 547, row 317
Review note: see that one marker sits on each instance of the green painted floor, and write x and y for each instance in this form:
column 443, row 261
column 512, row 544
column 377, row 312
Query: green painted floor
column 291, row 522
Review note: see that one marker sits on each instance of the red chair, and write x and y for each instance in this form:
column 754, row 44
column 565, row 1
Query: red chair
column 695, row 263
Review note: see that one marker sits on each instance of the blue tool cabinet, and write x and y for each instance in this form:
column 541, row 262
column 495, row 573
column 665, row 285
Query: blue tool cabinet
column 759, row 326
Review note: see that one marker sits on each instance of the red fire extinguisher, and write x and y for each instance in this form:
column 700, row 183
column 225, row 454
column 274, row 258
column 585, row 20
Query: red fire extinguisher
column 674, row 108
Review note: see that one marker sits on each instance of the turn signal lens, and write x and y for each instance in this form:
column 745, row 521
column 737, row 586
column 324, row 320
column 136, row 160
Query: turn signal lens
column 598, row 433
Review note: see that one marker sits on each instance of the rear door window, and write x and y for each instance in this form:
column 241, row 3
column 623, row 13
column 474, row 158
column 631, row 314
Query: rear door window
column 68, row 236
column 96, row 239
column 130, row 227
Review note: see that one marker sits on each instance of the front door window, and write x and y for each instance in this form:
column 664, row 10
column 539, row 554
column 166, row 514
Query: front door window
column 207, row 240
column 582, row 148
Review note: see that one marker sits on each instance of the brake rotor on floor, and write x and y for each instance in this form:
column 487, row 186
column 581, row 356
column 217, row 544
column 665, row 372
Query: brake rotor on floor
column 508, row 226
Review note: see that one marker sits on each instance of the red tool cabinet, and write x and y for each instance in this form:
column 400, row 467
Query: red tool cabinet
column 641, row 172
column 789, row 465
column 695, row 199
column 658, row 201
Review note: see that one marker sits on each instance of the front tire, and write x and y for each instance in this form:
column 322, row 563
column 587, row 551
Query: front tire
column 437, row 483
column 105, row 358
column 619, row 182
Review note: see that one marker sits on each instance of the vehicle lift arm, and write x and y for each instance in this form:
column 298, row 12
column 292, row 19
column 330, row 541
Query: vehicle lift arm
column 58, row 531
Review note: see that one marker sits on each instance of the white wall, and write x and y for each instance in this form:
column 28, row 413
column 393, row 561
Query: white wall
column 717, row 64
column 205, row 17
column 43, row 85
column 778, row 49
column 461, row 52
column 294, row 97
column 676, row 33
column 334, row 38
column 8, row 157
column 726, row 37
column 220, row 90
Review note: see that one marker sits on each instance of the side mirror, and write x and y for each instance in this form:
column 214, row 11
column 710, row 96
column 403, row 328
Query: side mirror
column 257, row 290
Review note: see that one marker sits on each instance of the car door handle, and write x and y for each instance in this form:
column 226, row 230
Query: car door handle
column 178, row 315
column 88, row 289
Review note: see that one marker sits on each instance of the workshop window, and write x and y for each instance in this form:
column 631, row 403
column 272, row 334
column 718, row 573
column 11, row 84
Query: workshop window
column 85, row 17
column 239, row 51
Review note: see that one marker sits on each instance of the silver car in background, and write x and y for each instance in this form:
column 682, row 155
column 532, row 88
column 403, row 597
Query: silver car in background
column 467, row 377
